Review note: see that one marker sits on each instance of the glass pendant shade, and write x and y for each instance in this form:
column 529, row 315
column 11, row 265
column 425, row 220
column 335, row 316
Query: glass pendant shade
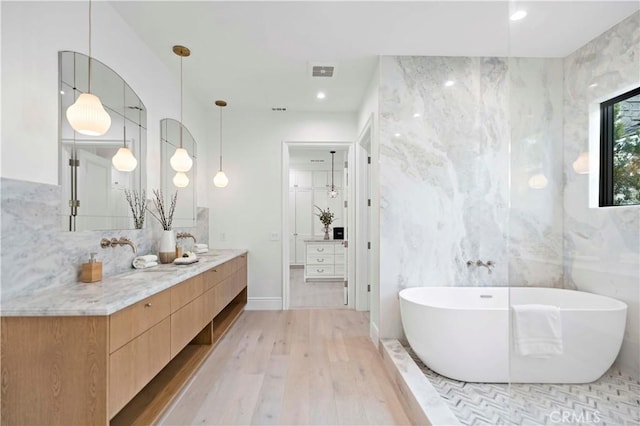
column 124, row 160
column 181, row 180
column 220, row 180
column 581, row 165
column 538, row 181
column 180, row 161
column 333, row 193
column 87, row 116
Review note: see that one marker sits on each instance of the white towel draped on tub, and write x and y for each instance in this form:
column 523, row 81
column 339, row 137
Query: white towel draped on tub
column 537, row 330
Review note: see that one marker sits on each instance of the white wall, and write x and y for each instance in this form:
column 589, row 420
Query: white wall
column 249, row 209
column 32, row 35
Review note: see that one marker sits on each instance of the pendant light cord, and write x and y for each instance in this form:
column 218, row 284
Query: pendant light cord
column 332, row 187
column 124, row 111
column 220, row 138
column 89, row 46
column 181, row 123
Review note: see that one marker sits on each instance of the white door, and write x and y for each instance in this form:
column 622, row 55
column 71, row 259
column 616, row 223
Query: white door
column 94, row 193
column 345, row 214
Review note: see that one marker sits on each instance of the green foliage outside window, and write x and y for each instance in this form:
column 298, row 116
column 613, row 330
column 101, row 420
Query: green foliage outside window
column 626, row 152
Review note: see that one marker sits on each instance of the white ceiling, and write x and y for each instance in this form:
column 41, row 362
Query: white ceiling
column 257, row 55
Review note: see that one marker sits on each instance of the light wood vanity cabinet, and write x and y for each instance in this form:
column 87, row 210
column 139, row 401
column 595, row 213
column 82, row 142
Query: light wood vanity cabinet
column 124, row 368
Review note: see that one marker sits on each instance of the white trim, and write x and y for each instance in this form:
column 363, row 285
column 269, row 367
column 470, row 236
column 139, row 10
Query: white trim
column 374, row 335
column 264, row 304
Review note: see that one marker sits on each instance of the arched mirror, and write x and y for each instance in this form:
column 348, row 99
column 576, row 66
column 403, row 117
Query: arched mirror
column 185, row 212
column 93, row 189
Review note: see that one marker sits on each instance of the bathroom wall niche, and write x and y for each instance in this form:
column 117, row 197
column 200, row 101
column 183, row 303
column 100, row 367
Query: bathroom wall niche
column 92, row 189
column 185, row 214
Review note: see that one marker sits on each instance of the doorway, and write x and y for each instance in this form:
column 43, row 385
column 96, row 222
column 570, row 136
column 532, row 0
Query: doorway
column 318, row 273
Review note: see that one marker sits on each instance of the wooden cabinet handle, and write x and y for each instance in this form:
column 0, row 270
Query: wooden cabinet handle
column 147, row 305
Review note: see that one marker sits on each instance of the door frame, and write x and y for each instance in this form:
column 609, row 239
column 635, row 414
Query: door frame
column 351, row 225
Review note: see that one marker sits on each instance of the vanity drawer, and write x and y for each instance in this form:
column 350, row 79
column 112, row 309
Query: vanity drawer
column 319, row 270
column 215, row 276
column 186, row 291
column 186, row 323
column 313, row 249
column 134, row 365
column 320, row 259
column 130, row 322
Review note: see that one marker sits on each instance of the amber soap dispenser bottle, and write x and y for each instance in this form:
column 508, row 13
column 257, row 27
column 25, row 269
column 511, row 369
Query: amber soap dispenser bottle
column 92, row 270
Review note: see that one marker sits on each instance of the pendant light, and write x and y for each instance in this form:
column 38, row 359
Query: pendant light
column 87, row 115
column 180, row 161
column 332, row 191
column 124, row 160
column 181, row 180
column 220, row 180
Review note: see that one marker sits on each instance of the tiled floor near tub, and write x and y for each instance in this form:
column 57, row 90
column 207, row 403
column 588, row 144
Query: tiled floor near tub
column 612, row 400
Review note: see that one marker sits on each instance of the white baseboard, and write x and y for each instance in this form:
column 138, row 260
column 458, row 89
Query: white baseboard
column 264, row 304
column 374, row 334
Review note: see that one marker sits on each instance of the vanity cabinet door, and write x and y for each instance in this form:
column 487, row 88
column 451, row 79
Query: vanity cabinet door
column 186, row 323
column 134, row 365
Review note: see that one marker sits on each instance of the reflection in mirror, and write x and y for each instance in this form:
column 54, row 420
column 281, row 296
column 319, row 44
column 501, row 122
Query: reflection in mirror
column 183, row 182
column 92, row 188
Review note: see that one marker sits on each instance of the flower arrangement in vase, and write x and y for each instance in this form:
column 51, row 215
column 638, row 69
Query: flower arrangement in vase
column 326, row 217
column 167, row 251
column 138, row 205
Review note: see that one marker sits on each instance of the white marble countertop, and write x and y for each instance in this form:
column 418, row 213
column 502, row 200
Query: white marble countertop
column 112, row 293
column 320, row 240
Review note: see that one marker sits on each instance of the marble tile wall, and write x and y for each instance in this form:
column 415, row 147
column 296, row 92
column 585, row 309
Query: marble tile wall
column 446, row 174
column 37, row 255
column 535, row 214
column 601, row 245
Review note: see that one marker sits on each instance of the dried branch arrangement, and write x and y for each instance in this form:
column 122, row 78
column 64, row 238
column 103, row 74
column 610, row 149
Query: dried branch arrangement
column 163, row 217
column 138, row 204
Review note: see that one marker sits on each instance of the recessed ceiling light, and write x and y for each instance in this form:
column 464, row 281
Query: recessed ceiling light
column 62, row 92
column 518, row 15
column 397, row 135
column 321, row 95
column 416, row 115
column 449, row 83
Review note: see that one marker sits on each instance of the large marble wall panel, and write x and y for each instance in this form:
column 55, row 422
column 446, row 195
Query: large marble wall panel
column 535, row 221
column 37, row 255
column 443, row 175
column 602, row 245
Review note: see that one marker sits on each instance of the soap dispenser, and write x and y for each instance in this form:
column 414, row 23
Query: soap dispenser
column 92, row 270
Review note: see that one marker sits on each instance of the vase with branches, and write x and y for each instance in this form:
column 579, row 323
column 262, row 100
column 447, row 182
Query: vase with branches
column 326, row 218
column 167, row 252
column 138, row 204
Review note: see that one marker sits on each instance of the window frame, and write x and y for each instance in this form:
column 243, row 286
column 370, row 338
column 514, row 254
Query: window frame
column 607, row 130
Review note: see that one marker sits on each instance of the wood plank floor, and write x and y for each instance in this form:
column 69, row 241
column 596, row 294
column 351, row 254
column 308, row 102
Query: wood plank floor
column 292, row 367
column 314, row 294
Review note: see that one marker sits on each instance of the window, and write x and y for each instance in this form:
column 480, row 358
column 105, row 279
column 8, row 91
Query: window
column 620, row 150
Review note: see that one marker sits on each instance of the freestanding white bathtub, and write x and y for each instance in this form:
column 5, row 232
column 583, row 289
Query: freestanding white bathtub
column 464, row 333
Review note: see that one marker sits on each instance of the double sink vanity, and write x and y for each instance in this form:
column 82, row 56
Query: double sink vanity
column 117, row 351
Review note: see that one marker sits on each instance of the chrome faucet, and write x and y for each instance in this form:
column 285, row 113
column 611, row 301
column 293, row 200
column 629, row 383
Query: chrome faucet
column 105, row 242
column 185, row 235
column 490, row 264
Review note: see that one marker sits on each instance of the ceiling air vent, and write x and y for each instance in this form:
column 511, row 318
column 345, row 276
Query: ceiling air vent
column 322, row 71
column 279, row 109
column 317, row 161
